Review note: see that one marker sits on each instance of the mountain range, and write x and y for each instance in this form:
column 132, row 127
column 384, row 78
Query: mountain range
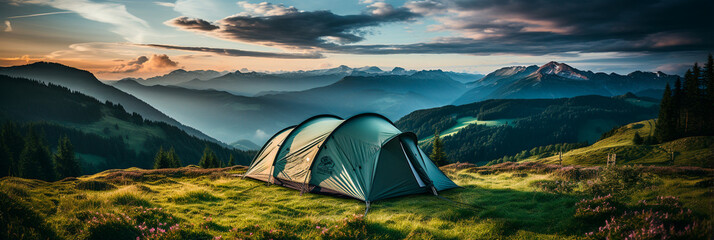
column 230, row 117
column 179, row 76
column 251, row 106
column 260, row 83
column 559, row 80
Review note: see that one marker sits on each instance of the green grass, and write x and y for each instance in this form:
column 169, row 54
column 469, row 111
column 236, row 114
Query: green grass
column 690, row 151
column 466, row 121
column 503, row 205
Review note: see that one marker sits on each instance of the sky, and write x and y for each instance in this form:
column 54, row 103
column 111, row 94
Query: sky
column 135, row 38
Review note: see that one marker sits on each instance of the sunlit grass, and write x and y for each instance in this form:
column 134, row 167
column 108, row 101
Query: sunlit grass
column 500, row 205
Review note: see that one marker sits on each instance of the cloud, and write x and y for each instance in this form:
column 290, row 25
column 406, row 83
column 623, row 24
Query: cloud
column 238, row 53
column 261, row 135
column 426, row 7
column 674, row 68
column 8, row 26
column 155, row 62
column 39, row 14
column 534, row 27
column 165, row 4
column 124, row 23
column 486, row 27
column 192, row 24
column 265, row 9
column 293, row 28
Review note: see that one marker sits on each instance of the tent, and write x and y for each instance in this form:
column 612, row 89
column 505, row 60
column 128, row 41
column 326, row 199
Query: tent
column 364, row 157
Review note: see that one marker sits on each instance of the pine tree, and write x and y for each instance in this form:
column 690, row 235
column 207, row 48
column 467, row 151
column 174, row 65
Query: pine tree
column 35, row 160
column 665, row 128
column 708, row 105
column 161, row 160
column 174, row 160
column 437, row 152
column 690, row 101
column 209, row 159
column 637, row 139
column 5, row 159
column 14, row 142
column 66, row 164
column 231, row 161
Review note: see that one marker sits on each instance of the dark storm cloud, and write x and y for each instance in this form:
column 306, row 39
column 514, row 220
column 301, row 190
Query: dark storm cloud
column 539, row 27
column 607, row 19
column 534, row 27
column 322, row 29
column 192, row 24
column 238, row 53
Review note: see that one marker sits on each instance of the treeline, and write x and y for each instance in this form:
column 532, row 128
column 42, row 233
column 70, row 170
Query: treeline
column 540, row 152
column 540, row 122
column 30, row 103
column 688, row 109
column 28, row 155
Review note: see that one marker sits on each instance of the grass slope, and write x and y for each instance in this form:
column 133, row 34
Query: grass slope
column 208, row 203
column 690, row 151
column 463, row 122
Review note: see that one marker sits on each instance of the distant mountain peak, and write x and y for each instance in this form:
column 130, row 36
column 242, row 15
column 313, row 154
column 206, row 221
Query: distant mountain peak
column 560, row 69
column 433, row 74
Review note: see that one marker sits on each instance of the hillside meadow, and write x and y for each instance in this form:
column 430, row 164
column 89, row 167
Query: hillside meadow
column 503, row 201
column 688, row 151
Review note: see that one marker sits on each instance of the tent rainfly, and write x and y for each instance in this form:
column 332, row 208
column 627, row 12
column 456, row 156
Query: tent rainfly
column 364, row 157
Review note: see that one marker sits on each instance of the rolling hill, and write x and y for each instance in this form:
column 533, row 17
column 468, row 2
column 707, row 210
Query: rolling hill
column 559, row 80
column 689, row 151
column 85, row 82
column 104, row 134
column 487, row 130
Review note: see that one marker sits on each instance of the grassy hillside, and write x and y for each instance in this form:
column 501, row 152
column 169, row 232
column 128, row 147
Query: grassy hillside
column 466, row 121
column 104, row 134
column 690, row 151
column 498, row 202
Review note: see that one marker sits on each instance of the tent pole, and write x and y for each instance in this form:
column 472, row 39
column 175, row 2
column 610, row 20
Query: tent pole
column 303, row 187
column 366, row 210
column 270, row 177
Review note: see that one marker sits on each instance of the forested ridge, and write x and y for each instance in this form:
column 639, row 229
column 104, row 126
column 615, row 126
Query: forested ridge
column 104, row 132
column 538, row 122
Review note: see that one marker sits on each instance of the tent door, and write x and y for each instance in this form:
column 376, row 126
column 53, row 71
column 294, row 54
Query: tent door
column 416, row 176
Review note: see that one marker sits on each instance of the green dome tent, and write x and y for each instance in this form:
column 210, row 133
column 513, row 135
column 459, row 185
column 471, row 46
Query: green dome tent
column 364, row 157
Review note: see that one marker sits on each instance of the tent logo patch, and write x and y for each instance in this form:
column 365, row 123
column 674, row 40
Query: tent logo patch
column 325, row 165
